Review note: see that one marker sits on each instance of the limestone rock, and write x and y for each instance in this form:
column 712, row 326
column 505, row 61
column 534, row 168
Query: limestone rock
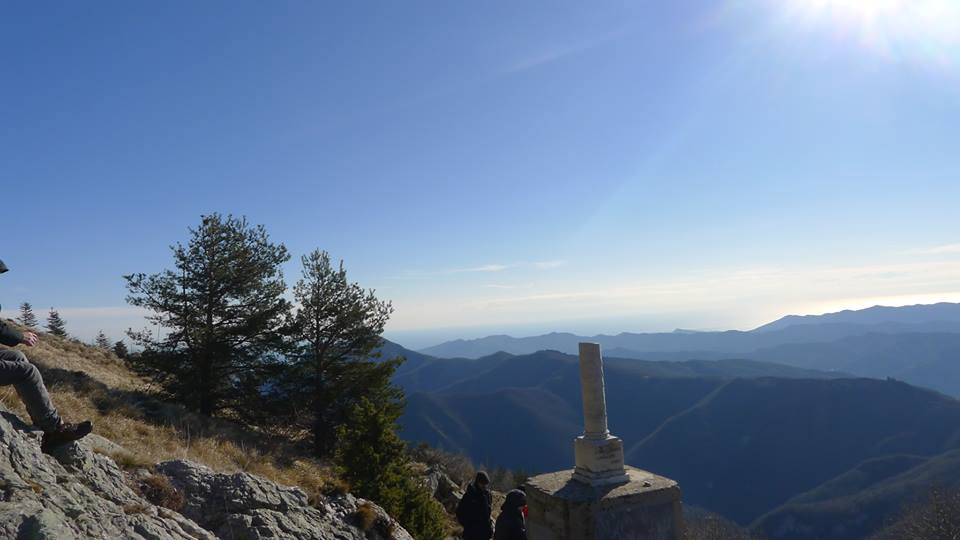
column 242, row 506
column 79, row 493
column 84, row 496
column 443, row 488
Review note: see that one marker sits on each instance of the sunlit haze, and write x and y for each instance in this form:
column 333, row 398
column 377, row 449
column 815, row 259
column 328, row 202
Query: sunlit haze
column 492, row 168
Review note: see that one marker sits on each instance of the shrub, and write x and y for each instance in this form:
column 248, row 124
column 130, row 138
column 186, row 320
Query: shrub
column 157, row 489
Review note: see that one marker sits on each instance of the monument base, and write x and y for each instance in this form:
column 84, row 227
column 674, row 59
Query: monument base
column 646, row 506
column 599, row 460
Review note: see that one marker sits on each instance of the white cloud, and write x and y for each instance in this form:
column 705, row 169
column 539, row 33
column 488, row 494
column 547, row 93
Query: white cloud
column 485, row 268
column 546, row 265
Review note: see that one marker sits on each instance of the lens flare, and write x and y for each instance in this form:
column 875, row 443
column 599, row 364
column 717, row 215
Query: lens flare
column 901, row 30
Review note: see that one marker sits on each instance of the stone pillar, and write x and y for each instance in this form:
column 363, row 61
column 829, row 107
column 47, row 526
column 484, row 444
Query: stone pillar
column 601, row 498
column 594, row 395
column 599, row 455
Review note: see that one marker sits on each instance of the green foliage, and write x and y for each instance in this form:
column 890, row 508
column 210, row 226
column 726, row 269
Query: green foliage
column 27, row 317
column 55, row 324
column 334, row 334
column 222, row 311
column 102, row 341
column 373, row 459
column 120, row 349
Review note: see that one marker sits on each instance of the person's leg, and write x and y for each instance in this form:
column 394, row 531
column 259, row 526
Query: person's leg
column 15, row 369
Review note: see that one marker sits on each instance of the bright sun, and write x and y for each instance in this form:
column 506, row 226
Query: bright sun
column 900, row 29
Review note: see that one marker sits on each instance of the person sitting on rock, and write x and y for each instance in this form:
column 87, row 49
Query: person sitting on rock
column 474, row 508
column 511, row 524
column 15, row 369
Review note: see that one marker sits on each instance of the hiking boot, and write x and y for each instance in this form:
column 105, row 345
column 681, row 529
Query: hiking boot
column 65, row 433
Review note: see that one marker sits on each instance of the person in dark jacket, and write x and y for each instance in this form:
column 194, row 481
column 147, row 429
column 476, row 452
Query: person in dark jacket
column 15, row 369
column 511, row 524
column 474, row 508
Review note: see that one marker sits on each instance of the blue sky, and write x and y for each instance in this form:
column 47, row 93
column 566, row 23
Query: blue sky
column 498, row 167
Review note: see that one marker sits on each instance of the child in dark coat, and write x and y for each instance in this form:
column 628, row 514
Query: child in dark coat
column 511, row 524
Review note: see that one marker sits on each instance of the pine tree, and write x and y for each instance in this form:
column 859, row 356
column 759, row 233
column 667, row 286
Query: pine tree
column 222, row 310
column 27, row 318
column 120, row 349
column 55, row 324
column 102, row 341
column 336, row 333
column 372, row 458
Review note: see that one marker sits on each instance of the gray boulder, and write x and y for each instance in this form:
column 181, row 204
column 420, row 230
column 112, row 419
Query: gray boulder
column 242, row 506
column 443, row 488
column 75, row 494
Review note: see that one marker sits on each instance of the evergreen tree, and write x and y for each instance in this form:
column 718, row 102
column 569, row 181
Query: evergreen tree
column 372, row 458
column 102, row 341
column 27, row 318
column 222, row 311
column 335, row 334
column 120, row 349
column 55, row 324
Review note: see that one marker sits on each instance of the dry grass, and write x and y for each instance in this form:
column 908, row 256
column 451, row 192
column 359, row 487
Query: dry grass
column 366, row 517
column 88, row 383
column 135, row 508
column 157, row 489
column 101, row 365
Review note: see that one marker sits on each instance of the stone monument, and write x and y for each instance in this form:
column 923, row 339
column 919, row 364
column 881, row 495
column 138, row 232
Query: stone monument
column 601, row 498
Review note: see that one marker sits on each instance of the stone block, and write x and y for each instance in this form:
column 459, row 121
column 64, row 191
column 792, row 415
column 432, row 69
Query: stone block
column 647, row 506
column 599, row 461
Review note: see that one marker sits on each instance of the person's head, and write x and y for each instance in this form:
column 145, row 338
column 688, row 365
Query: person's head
column 515, row 500
column 482, row 480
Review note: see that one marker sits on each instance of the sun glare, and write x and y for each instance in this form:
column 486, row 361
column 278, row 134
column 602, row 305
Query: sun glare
column 928, row 30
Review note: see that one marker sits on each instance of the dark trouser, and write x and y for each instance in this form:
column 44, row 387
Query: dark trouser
column 15, row 369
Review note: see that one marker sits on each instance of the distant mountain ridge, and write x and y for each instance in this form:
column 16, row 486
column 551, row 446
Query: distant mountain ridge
column 943, row 317
column 916, row 314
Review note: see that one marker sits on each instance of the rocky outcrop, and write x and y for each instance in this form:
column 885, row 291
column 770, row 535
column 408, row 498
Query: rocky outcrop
column 442, row 487
column 241, row 506
column 76, row 494
column 81, row 493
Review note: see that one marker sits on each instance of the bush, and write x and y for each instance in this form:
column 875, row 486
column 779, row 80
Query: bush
column 373, row 459
column 157, row 489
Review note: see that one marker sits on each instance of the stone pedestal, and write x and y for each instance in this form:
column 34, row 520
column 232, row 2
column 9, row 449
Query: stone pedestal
column 599, row 460
column 598, row 454
column 644, row 506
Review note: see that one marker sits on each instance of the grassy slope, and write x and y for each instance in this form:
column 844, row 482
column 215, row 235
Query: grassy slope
column 88, row 383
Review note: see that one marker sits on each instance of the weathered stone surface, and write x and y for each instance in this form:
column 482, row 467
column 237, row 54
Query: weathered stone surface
column 599, row 461
column 646, row 507
column 78, row 493
column 84, row 496
column 241, row 506
column 443, row 488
